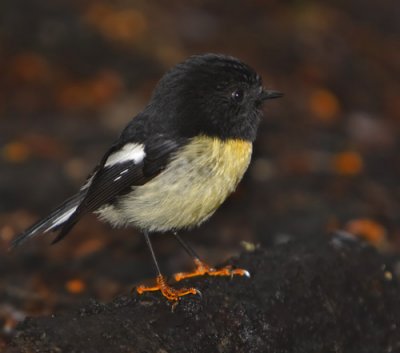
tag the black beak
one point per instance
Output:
(269, 95)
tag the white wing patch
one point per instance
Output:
(130, 152)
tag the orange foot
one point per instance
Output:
(203, 269)
(168, 292)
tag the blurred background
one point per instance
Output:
(73, 73)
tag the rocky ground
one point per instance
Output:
(335, 295)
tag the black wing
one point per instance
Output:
(112, 181)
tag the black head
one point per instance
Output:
(213, 95)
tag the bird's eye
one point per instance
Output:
(237, 95)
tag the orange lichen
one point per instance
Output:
(44, 146)
(29, 67)
(7, 233)
(117, 24)
(348, 163)
(16, 152)
(89, 246)
(104, 87)
(324, 105)
(368, 229)
(75, 286)
(90, 93)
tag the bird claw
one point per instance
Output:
(203, 269)
(171, 293)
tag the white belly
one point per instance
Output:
(188, 191)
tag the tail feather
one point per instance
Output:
(52, 222)
(65, 229)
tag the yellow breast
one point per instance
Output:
(198, 179)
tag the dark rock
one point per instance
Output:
(314, 296)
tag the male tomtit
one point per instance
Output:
(176, 162)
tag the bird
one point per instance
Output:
(175, 162)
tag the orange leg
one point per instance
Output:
(167, 291)
(203, 269)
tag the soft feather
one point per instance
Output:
(117, 178)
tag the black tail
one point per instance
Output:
(52, 222)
